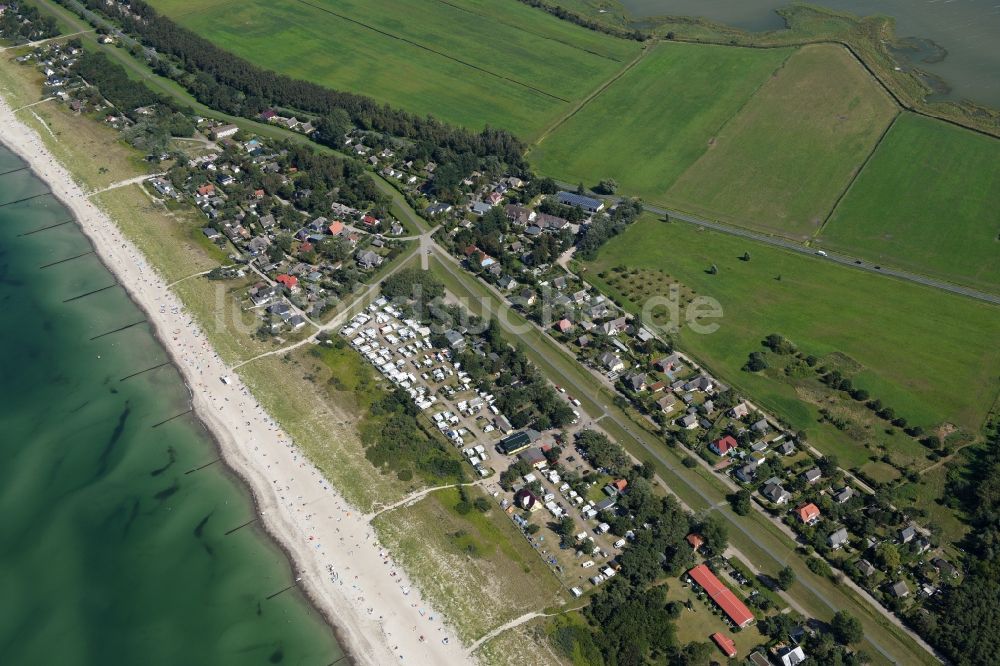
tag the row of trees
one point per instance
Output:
(228, 83)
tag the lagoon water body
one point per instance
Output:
(109, 552)
(968, 30)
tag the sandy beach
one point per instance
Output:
(379, 616)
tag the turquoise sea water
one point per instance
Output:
(110, 553)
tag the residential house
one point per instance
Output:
(506, 283)
(668, 363)
(438, 209)
(667, 403)
(837, 538)
(746, 473)
(564, 325)
(611, 362)
(844, 495)
(786, 448)
(224, 131)
(899, 589)
(866, 568)
(724, 446)
(740, 410)
(289, 281)
(368, 259)
(808, 513)
(812, 475)
(760, 426)
(688, 422)
(480, 208)
(906, 534)
(455, 340)
(637, 381)
(775, 493)
(944, 567)
(615, 326)
(790, 656)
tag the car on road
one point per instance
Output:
(821, 253)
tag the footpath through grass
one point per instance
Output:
(929, 355)
(782, 162)
(928, 202)
(475, 568)
(470, 62)
(656, 120)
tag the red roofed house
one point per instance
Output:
(808, 513)
(735, 610)
(370, 221)
(725, 644)
(258, 194)
(306, 248)
(724, 445)
(620, 484)
(337, 227)
(288, 280)
(206, 189)
(564, 325)
(695, 540)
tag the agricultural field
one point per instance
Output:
(927, 201)
(781, 163)
(470, 62)
(927, 354)
(655, 121)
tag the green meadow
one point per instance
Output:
(927, 201)
(781, 163)
(470, 62)
(651, 124)
(929, 355)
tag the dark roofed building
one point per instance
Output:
(588, 204)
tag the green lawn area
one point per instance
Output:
(780, 164)
(656, 120)
(927, 201)
(699, 624)
(470, 62)
(930, 355)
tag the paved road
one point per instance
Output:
(710, 497)
(792, 246)
(830, 256)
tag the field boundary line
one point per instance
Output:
(522, 29)
(725, 123)
(430, 50)
(589, 98)
(857, 174)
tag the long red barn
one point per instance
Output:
(724, 598)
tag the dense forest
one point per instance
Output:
(231, 84)
(110, 78)
(23, 23)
